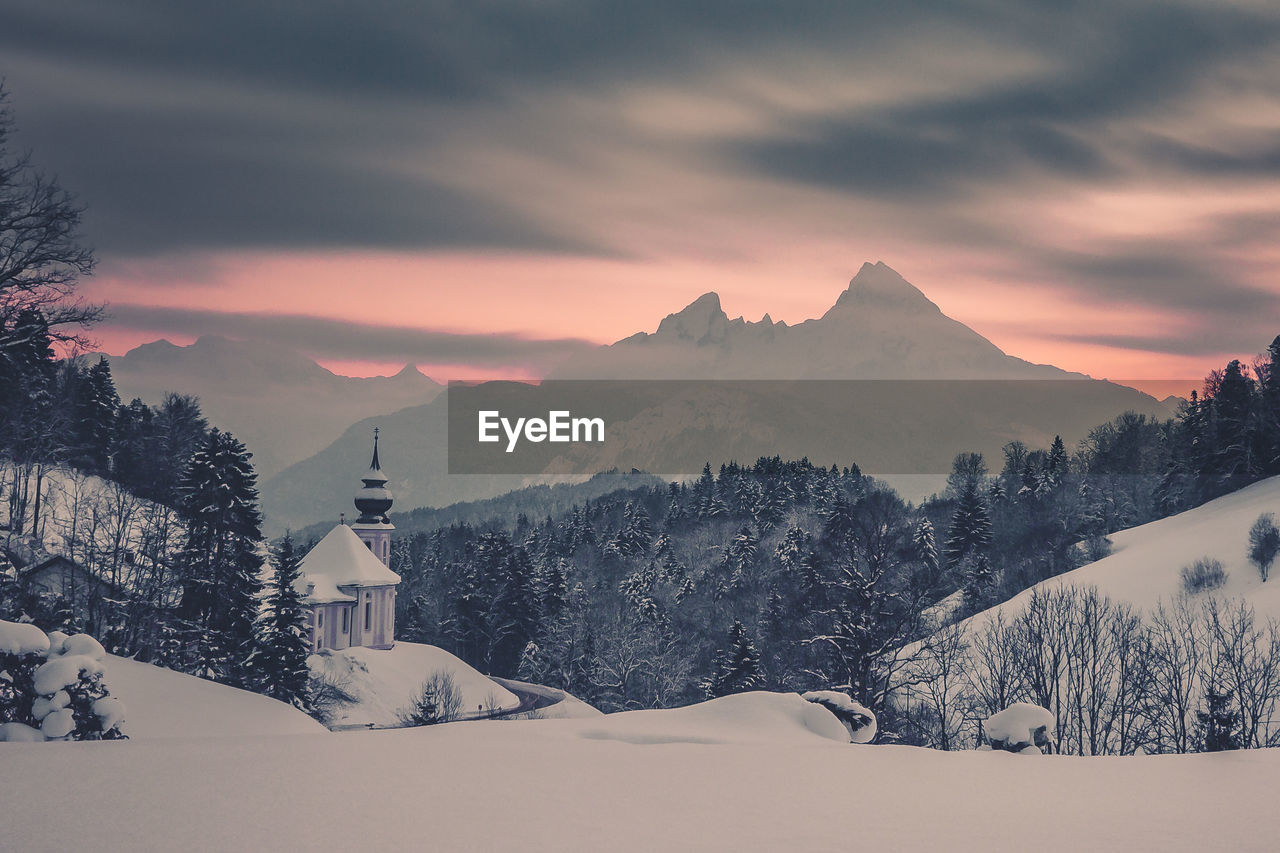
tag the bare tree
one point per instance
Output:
(1244, 658)
(939, 687)
(438, 701)
(996, 675)
(41, 256)
(1176, 646)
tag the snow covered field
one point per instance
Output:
(161, 703)
(385, 681)
(744, 773)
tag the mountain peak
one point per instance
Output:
(701, 321)
(879, 285)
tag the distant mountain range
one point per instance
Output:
(281, 404)
(881, 327)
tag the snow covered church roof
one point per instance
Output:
(341, 559)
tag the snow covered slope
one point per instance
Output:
(1146, 562)
(742, 773)
(161, 703)
(386, 681)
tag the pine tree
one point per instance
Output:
(922, 540)
(284, 642)
(1218, 727)
(970, 526)
(1056, 466)
(1269, 417)
(978, 580)
(1233, 463)
(553, 589)
(740, 556)
(219, 563)
(737, 667)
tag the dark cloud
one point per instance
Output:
(347, 341)
(1115, 62)
(1208, 342)
(1172, 274)
(240, 124)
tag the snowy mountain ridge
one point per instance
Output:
(880, 327)
(280, 403)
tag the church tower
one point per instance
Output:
(374, 502)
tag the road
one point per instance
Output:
(532, 697)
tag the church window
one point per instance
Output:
(368, 614)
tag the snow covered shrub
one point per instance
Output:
(22, 650)
(1264, 544)
(1022, 727)
(328, 694)
(438, 701)
(857, 718)
(1204, 575)
(51, 687)
(1097, 547)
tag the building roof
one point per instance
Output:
(319, 589)
(343, 560)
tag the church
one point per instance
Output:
(349, 586)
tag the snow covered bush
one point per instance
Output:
(857, 718)
(438, 701)
(1264, 544)
(22, 651)
(328, 694)
(1022, 728)
(1203, 575)
(51, 687)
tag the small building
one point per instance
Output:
(350, 588)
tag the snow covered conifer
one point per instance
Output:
(978, 580)
(922, 539)
(219, 562)
(737, 667)
(284, 643)
(740, 555)
(1056, 466)
(970, 525)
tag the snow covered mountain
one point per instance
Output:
(280, 403)
(881, 327)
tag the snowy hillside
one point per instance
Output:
(1145, 566)
(749, 772)
(386, 681)
(162, 703)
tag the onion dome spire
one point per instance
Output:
(374, 500)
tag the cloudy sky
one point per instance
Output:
(480, 186)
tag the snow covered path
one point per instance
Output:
(750, 774)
